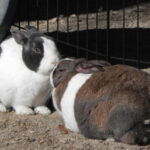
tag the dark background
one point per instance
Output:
(129, 46)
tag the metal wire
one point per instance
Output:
(47, 14)
(57, 14)
(87, 26)
(28, 12)
(96, 34)
(67, 10)
(77, 33)
(123, 34)
(37, 13)
(107, 30)
(137, 37)
(19, 5)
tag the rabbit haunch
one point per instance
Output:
(112, 104)
(26, 61)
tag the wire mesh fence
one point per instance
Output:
(117, 31)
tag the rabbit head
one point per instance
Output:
(80, 65)
(39, 51)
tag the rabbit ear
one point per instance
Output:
(20, 37)
(31, 29)
(91, 66)
(88, 68)
(101, 63)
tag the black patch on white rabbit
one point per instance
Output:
(27, 59)
(33, 52)
(108, 104)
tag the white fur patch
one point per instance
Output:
(68, 100)
(50, 58)
(42, 110)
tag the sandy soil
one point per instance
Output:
(147, 70)
(38, 132)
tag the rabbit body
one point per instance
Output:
(112, 104)
(21, 87)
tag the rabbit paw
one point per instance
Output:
(23, 110)
(3, 108)
(110, 139)
(42, 110)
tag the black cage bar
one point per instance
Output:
(95, 29)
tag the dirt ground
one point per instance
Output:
(42, 132)
(38, 132)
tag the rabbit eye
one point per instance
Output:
(36, 50)
(61, 70)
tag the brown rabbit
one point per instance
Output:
(108, 103)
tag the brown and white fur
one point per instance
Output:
(112, 103)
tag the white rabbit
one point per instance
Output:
(109, 102)
(26, 60)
